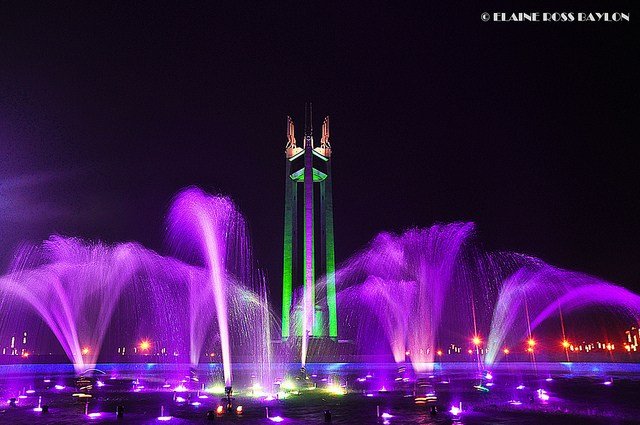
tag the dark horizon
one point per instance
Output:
(526, 129)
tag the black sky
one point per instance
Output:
(530, 130)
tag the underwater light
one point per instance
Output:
(180, 399)
(276, 419)
(30, 391)
(336, 390)
(22, 396)
(180, 389)
(520, 387)
(542, 394)
(456, 410)
(288, 385)
(216, 389)
(164, 418)
(514, 402)
(94, 415)
(166, 386)
(386, 415)
(203, 396)
(196, 403)
(59, 387)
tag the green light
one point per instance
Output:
(290, 202)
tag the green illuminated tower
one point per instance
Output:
(308, 234)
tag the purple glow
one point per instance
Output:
(542, 395)
(276, 419)
(455, 410)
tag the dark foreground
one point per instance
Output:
(353, 394)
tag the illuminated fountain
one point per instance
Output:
(210, 232)
(74, 287)
(405, 287)
(84, 290)
(406, 294)
(537, 292)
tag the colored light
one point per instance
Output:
(336, 390)
(219, 410)
(196, 403)
(542, 395)
(85, 351)
(145, 345)
(531, 342)
(476, 340)
(164, 418)
(386, 415)
(180, 399)
(59, 387)
(239, 410)
(94, 415)
(439, 352)
(455, 410)
(288, 385)
(30, 391)
(181, 389)
(276, 419)
(566, 343)
(506, 351)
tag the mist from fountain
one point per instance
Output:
(74, 287)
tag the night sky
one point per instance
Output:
(528, 129)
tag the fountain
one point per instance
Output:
(401, 299)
